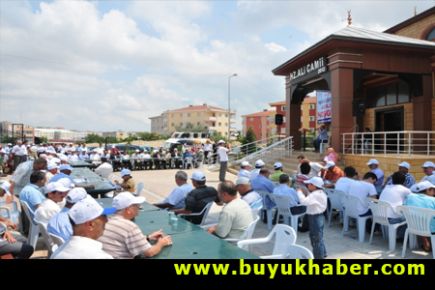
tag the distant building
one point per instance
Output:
(58, 135)
(208, 118)
(308, 114)
(116, 134)
(261, 123)
(19, 131)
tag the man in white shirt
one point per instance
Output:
(395, 195)
(222, 152)
(343, 183)
(259, 164)
(105, 168)
(88, 219)
(55, 193)
(363, 189)
(176, 198)
(235, 216)
(428, 168)
(245, 170)
(316, 202)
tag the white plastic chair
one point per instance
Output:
(50, 245)
(204, 212)
(298, 252)
(56, 239)
(140, 186)
(32, 238)
(336, 198)
(419, 223)
(188, 161)
(350, 211)
(248, 232)
(283, 235)
(269, 211)
(282, 204)
(380, 216)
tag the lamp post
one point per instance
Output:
(229, 105)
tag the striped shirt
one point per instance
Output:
(123, 239)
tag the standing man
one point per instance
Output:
(222, 152)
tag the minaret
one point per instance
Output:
(349, 17)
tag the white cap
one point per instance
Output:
(428, 164)
(76, 194)
(5, 186)
(316, 181)
(221, 142)
(51, 165)
(277, 165)
(242, 180)
(198, 176)
(88, 209)
(66, 182)
(55, 186)
(404, 164)
(65, 167)
(418, 187)
(125, 172)
(125, 199)
(245, 163)
(259, 163)
(330, 164)
(373, 161)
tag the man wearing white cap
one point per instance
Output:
(59, 224)
(404, 168)
(52, 170)
(424, 198)
(176, 198)
(245, 169)
(88, 219)
(428, 168)
(222, 152)
(198, 198)
(5, 194)
(128, 183)
(243, 186)
(278, 171)
(104, 169)
(65, 172)
(55, 193)
(373, 164)
(259, 164)
(333, 173)
(316, 203)
(122, 238)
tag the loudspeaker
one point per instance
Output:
(279, 119)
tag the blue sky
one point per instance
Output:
(108, 65)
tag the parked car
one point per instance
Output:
(125, 147)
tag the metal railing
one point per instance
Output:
(273, 152)
(395, 142)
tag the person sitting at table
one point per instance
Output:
(423, 196)
(104, 169)
(332, 174)
(59, 224)
(32, 193)
(65, 171)
(122, 238)
(243, 186)
(235, 216)
(278, 172)
(363, 189)
(198, 198)
(128, 182)
(88, 219)
(55, 193)
(409, 178)
(429, 172)
(176, 198)
(284, 189)
(343, 183)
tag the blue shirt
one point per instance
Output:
(262, 183)
(59, 176)
(60, 225)
(424, 201)
(284, 189)
(409, 180)
(32, 195)
(178, 195)
(380, 175)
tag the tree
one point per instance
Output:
(249, 138)
(216, 136)
(94, 138)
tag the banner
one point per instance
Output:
(324, 106)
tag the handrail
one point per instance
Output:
(389, 142)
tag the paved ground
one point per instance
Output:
(159, 183)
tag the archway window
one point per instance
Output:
(431, 35)
(392, 94)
